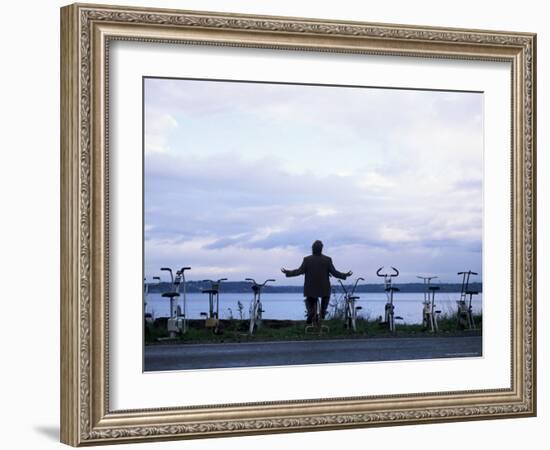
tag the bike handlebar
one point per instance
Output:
(258, 284)
(167, 269)
(469, 271)
(354, 286)
(384, 275)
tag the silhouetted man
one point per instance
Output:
(316, 268)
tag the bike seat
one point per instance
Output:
(170, 294)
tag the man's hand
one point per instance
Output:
(349, 273)
(285, 271)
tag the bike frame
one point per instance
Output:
(336, 301)
(465, 303)
(256, 306)
(429, 299)
(181, 274)
(214, 296)
(350, 310)
(146, 293)
(174, 288)
(317, 320)
(435, 326)
(389, 308)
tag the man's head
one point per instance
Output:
(317, 247)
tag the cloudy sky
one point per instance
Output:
(241, 178)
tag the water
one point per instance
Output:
(290, 306)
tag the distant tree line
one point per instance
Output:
(244, 287)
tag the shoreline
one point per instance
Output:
(236, 331)
(243, 287)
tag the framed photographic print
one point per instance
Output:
(276, 224)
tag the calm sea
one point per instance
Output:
(290, 306)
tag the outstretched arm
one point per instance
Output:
(294, 273)
(332, 270)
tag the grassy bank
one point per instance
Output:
(277, 330)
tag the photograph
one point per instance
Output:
(294, 224)
(287, 223)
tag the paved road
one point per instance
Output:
(203, 356)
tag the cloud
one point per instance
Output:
(375, 180)
(158, 127)
(249, 175)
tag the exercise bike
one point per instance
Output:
(177, 322)
(350, 310)
(465, 317)
(212, 317)
(389, 308)
(429, 313)
(256, 308)
(316, 324)
(148, 316)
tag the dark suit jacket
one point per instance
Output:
(316, 269)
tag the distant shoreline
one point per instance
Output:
(242, 287)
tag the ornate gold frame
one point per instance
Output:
(86, 31)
